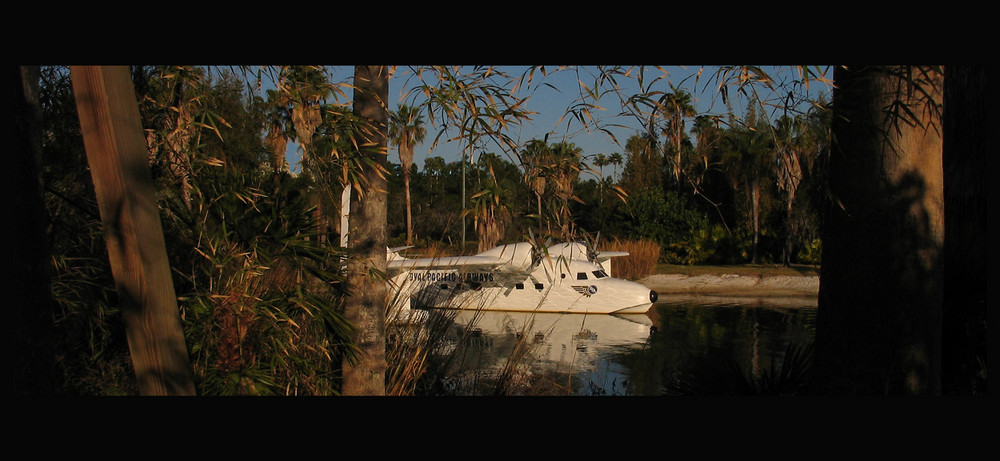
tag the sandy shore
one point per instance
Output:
(732, 284)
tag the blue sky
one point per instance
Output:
(550, 105)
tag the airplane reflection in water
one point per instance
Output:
(559, 334)
(582, 345)
(563, 278)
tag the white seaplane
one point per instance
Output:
(565, 278)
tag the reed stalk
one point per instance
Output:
(640, 262)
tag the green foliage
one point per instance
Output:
(711, 245)
(664, 217)
(260, 292)
(259, 285)
(258, 288)
(812, 253)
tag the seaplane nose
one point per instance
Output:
(652, 296)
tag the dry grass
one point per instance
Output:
(641, 259)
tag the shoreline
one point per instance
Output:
(733, 285)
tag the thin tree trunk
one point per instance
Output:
(409, 216)
(118, 158)
(880, 299)
(787, 258)
(755, 212)
(365, 308)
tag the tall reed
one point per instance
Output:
(640, 262)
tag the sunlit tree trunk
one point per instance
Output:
(880, 299)
(365, 308)
(118, 158)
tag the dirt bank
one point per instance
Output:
(734, 284)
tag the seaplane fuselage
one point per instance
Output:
(513, 278)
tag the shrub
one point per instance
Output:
(811, 253)
(707, 246)
(663, 217)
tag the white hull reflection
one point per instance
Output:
(570, 344)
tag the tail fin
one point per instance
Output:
(393, 253)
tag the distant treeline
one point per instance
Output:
(748, 192)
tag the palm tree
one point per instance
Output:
(645, 165)
(490, 215)
(881, 301)
(278, 118)
(709, 137)
(365, 307)
(789, 146)
(615, 160)
(748, 164)
(677, 106)
(601, 161)
(305, 89)
(535, 159)
(406, 129)
(117, 155)
(565, 172)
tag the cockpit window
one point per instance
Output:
(600, 274)
(581, 276)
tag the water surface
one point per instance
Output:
(684, 345)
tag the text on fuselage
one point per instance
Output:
(470, 277)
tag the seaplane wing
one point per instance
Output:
(606, 255)
(506, 258)
(469, 263)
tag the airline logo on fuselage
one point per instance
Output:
(469, 277)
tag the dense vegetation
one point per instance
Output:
(253, 250)
(253, 246)
(746, 193)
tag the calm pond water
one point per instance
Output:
(708, 345)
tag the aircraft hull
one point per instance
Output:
(607, 296)
(509, 278)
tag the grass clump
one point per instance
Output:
(640, 262)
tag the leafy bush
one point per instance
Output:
(811, 253)
(712, 245)
(663, 217)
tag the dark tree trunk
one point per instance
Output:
(34, 370)
(881, 293)
(367, 239)
(964, 340)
